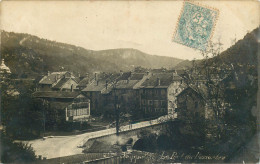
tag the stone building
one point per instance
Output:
(126, 90)
(191, 105)
(158, 94)
(58, 81)
(99, 92)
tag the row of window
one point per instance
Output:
(154, 102)
(155, 91)
(78, 112)
(154, 110)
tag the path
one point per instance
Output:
(59, 146)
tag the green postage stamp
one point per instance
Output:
(195, 26)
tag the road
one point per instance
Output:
(59, 146)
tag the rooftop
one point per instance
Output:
(62, 82)
(165, 80)
(55, 94)
(52, 78)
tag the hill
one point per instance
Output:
(242, 52)
(30, 55)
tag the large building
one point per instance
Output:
(99, 92)
(126, 90)
(158, 94)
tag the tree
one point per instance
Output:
(209, 73)
(15, 152)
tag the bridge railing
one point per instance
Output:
(129, 127)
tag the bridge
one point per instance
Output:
(59, 146)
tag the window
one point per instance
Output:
(156, 103)
(162, 92)
(163, 103)
(150, 102)
(196, 104)
(143, 102)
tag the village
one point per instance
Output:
(134, 95)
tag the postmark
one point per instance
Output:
(195, 26)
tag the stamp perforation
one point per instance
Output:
(200, 5)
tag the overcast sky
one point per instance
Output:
(144, 25)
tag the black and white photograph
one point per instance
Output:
(129, 82)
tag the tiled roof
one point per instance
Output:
(201, 90)
(125, 76)
(55, 94)
(165, 80)
(50, 79)
(126, 84)
(61, 82)
(136, 76)
(100, 85)
(84, 82)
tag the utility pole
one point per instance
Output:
(117, 109)
(45, 104)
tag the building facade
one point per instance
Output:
(158, 94)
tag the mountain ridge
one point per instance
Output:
(23, 51)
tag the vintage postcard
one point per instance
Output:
(129, 82)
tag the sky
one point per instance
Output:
(144, 25)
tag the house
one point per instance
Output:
(194, 103)
(158, 94)
(58, 81)
(99, 92)
(64, 106)
(84, 81)
(126, 90)
(79, 109)
(191, 104)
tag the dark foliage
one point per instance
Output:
(15, 152)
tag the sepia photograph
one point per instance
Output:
(129, 82)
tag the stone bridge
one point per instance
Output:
(128, 131)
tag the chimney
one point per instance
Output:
(96, 77)
(147, 72)
(71, 88)
(106, 84)
(48, 73)
(97, 82)
(56, 78)
(158, 81)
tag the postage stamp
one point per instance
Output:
(196, 25)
